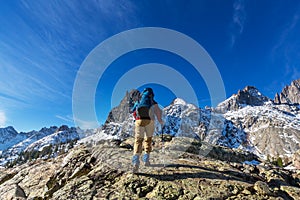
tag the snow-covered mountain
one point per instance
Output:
(271, 129)
(247, 120)
(26, 140)
(63, 134)
(9, 137)
(249, 96)
(15, 143)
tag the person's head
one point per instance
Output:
(147, 91)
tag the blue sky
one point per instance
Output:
(44, 43)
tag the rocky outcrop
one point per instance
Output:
(120, 113)
(120, 121)
(248, 96)
(277, 99)
(296, 160)
(272, 130)
(178, 172)
(290, 94)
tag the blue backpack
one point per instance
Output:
(143, 107)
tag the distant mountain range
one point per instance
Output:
(248, 120)
(271, 128)
(13, 144)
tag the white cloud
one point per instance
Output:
(39, 68)
(2, 119)
(67, 118)
(290, 28)
(239, 15)
(238, 20)
(42, 64)
(83, 124)
(291, 72)
(123, 12)
(286, 50)
(296, 73)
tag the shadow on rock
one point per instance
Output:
(194, 171)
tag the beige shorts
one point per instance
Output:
(144, 127)
(144, 130)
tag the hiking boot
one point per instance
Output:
(135, 163)
(146, 158)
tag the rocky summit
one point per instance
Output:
(179, 170)
(248, 96)
(290, 94)
(120, 113)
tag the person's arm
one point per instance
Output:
(134, 107)
(158, 113)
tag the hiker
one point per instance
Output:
(146, 110)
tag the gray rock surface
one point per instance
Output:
(103, 172)
(290, 94)
(248, 96)
(120, 113)
(296, 159)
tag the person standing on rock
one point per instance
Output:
(145, 111)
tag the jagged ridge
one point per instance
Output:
(290, 94)
(37, 140)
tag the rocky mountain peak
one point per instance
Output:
(250, 95)
(8, 135)
(253, 91)
(45, 129)
(178, 101)
(63, 128)
(290, 94)
(120, 113)
(8, 129)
